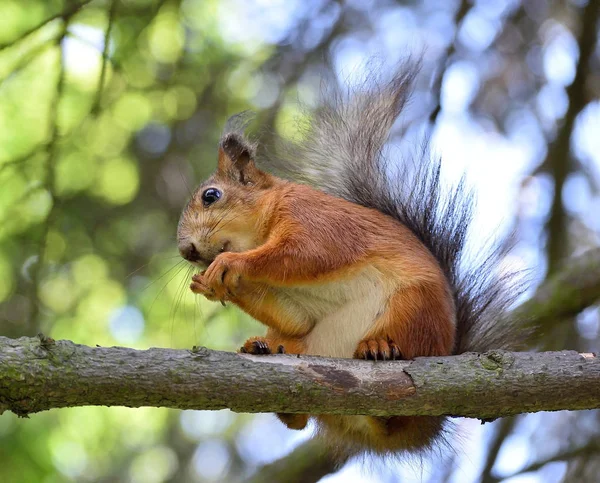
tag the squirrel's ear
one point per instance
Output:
(236, 160)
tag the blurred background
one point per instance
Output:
(110, 112)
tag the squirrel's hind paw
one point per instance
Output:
(378, 350)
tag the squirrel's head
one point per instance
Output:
(225, 212)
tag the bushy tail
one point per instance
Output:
(342, 152)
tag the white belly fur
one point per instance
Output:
(343, 311)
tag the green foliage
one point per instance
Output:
(93, 179)
(110, 113)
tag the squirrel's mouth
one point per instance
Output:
(203, 262)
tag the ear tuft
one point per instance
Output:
(236, 154)
(237, 149)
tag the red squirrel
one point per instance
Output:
(339, 257)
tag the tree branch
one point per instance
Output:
(504, 428)
(591, 448)
(38, 374)
(575, 287)
(559, 151)
(49, 175)
(105, 57)
(436, 87)
(308, 462)
(67, 13)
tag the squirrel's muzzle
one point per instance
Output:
(190, 252)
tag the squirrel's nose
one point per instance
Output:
(190, 253)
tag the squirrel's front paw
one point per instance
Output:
(260, 346)
(223, 275)
(199, 286)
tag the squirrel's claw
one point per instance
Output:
(260, 346)
(378, 350)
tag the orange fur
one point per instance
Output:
(295, 257)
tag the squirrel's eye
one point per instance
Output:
(210, 196)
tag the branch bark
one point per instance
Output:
(39, 373)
